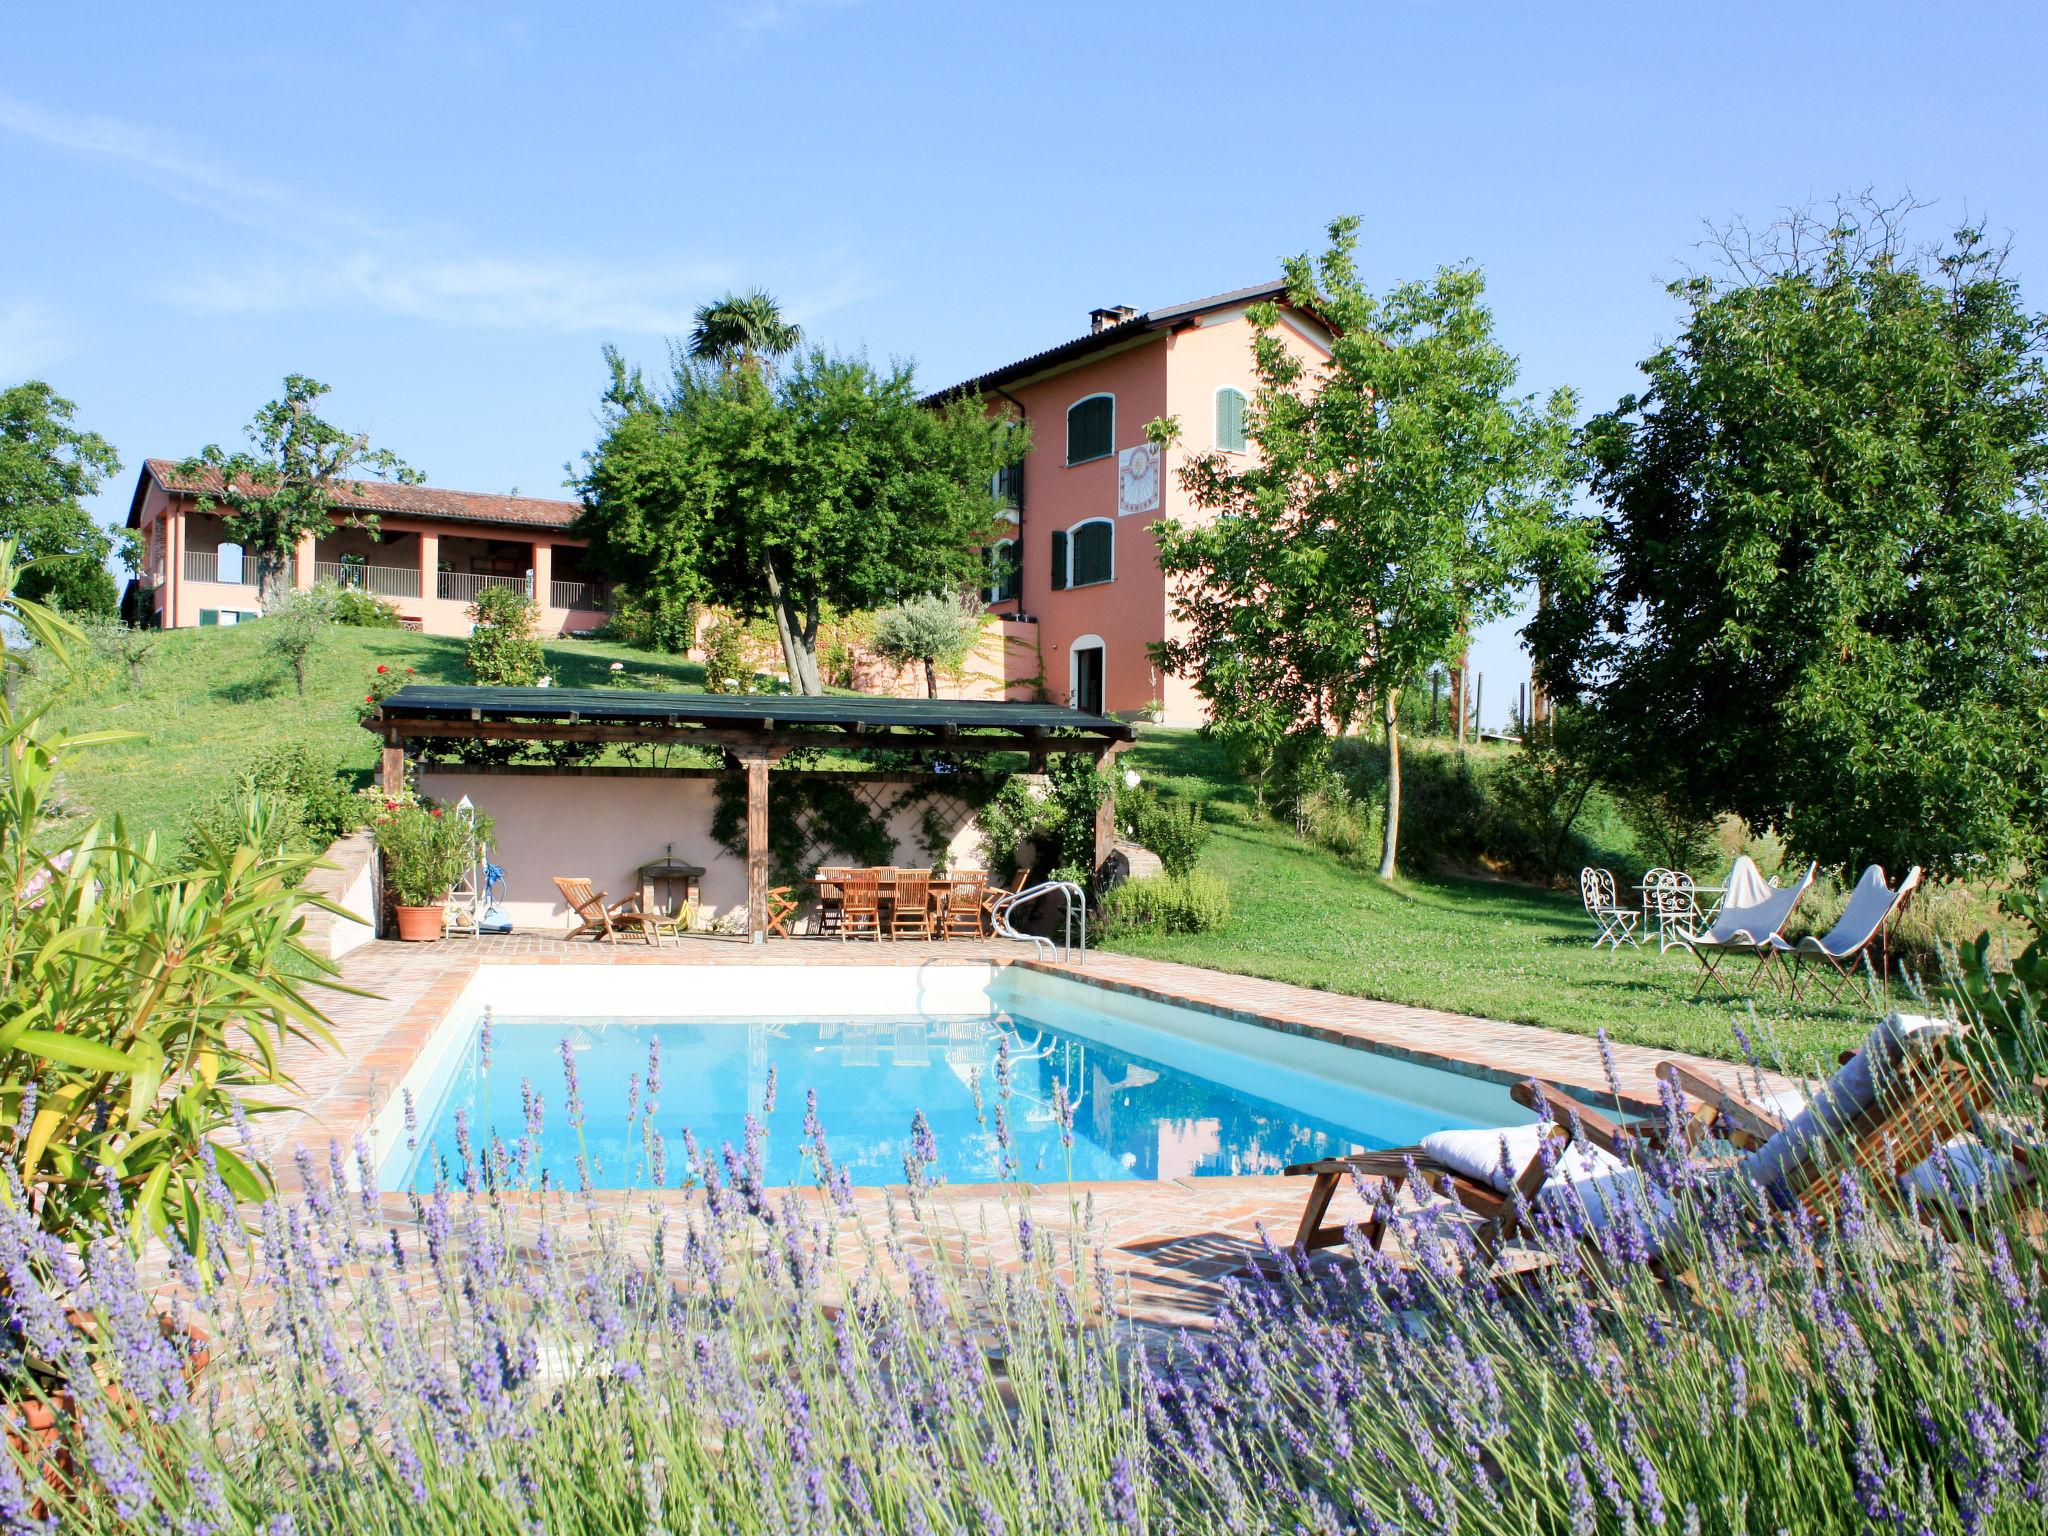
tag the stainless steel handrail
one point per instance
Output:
(1074, 897)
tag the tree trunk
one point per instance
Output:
(299, 674)
(931, 679)
(1391, 842)
(797, 658)
(273, 579)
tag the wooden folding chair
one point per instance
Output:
(996, 895)
(782, 906)
(912, 911)
(860, 904)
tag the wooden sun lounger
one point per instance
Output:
(596, 918)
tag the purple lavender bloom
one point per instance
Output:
(768, 1094)
(574, 1095)
(412, 1120)
(483, 1041)
(1123, 1494)
(27, 1118)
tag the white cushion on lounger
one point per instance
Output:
(1847, 1094)
(1969, 1173)
(1477, 1155)
(1606, 1197)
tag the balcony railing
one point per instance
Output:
(584, 595)
(377, 580)
(462, 587)
(204, 565)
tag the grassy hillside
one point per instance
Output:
(211, 699)
(1498, 950)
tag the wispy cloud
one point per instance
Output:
(32, 337)
(321, 256)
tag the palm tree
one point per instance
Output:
(741, 329)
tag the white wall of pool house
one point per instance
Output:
(603, 825)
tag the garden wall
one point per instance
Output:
(603, 823)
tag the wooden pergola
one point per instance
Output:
(752, 731)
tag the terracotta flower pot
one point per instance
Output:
(418, 925)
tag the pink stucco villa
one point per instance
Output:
(1077, 583)
(433, 551)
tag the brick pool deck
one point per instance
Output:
(1171, 1241)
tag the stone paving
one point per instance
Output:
(1172, 1242)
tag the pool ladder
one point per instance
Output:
(1075, 898)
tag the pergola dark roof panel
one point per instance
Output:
(414, 709)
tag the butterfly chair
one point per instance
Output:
(1614, 922)
(1749, 930)
(1844, 948)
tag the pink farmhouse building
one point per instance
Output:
(433, 551)
(1077, 583)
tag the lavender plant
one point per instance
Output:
(1679, 1354)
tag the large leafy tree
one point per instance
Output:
(1822, 600)
(287, 486)
(1393, 498)
(48, 467)
(824, 483)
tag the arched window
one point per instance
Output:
(1091, 429)
(1005, 566)
(1230, 420)
(1085, 554)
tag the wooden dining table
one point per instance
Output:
(885, 886)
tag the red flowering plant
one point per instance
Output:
(384, 682)
(425, 849)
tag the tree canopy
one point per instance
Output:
(1822, 590)
(1392, 499)
(287, 487)
(931, 631)
(48, 467)
(822, 483)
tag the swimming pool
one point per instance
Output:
(1100, 1085)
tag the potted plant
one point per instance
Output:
(425, 851)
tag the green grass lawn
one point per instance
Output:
(1499, 950)
(211, 700)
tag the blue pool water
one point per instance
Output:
(1145, 1103)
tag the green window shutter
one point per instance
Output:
(1059, 560)
(208, 616)
(1091, 429)
(1093, 553)
(1013, 569)
(1230, 420)
(1010, 485)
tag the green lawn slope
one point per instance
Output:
(211, 699)
(1491, 948)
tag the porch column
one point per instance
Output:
(543, 574)
(302, 570)
(756, 761)
(430, 564)
(174, 563)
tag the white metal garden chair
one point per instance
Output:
(1671, 901)
(1613, 922)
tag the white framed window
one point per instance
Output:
(1005, 570)
(1084, 555)
(1091, 428)
(1230, 404)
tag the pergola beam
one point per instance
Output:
(417, 729)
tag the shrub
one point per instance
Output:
(1175, 832)
(385, 680)
(651, 623)
(504, 651)
(932, 631)
(727, 668)
(308, 804)
(1665, 832)
(1192, 903)
(1543, 785)
(359, 610)
(119, 647)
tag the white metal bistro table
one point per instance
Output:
(1693, 915)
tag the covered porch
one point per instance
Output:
(602, 821)
(432, 574)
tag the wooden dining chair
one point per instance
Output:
(831, 896)
(963, 917)
(912, 912)
(860, 904)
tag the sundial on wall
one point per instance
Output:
(1137, 480)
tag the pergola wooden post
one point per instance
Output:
(1105, 809)
(756, 763)
(391, 772)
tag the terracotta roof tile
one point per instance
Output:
(403, 500)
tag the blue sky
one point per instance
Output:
(444, 211)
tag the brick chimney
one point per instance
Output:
(1103, 319)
